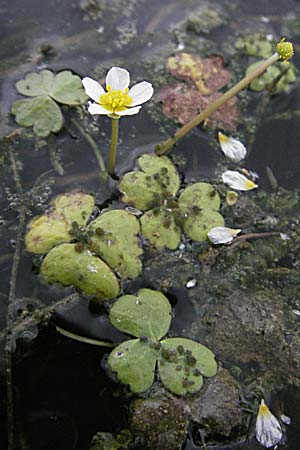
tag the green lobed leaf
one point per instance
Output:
(200, 195)
(265, 80)
(199, 204)
(182, 363)
(147, 314)
(159, 227)
(52, 228)
(116, 240)
(157, 180)
(65, 87)
(40, 112)
(198, 225)
(134, 362)
(36, 84)
(90, 274)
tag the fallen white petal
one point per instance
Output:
(118, 79)
(222, 235)
(129, 111)
(92, 88)
(284, 237)
(235, 180)
(140, 93)
(268, 429)
(191, 283)
(94, 108)
(232, 148)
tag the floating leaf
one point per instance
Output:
(36, 84)
(40, 112)
(159, 227)
(182, 364)
(286, 73)
(53, 227)
(147, 314)
(90, 274)
(134, 361)
(199, 195)
(198, 225)
(147, 188)
(65, 87)
(199, 204)
(116, 241)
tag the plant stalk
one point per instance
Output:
(113, 146)
(165, 146)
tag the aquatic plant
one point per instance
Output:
(182, 363)
(118, 101)
(153, 190)
(284, 51)
(82, 255)
(47, 90)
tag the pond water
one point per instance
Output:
(244, 303)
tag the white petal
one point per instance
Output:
(141, 93)
(94, 108)
(222, 235)
(268, 430)
(128, 111)
(118, 79)
(235, 180)
(285, 419)
(232, 148)
(92, 88)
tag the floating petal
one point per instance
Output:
(268, 430)
(235, 180)
(232, 148)
(222, 235)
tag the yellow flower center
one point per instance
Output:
(115, 101)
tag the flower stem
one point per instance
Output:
(165, 146)
(113, 145)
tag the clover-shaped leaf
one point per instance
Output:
(160, 228)
(65, 265)
(134, 361)
(115, 240)
(147, 314)
(65, 87)
(53, 227)
(182, 364)
(40, 112)
(157, 180)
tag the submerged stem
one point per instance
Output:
(165, 146)
(92, 143)
(113, 145)
(57, 166)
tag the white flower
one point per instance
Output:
(235, 180)
(232, 148)
(268, 429)
(118, 100)
(222, 235)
